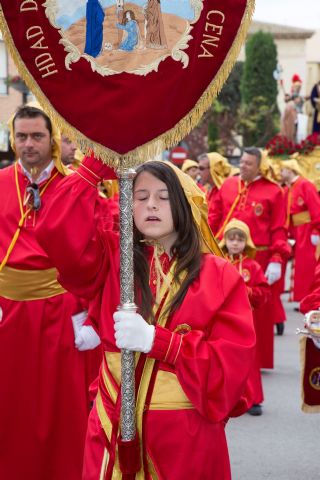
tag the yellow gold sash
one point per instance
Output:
(23, 285)
(301, 218)
(167, 292)
(167, 394)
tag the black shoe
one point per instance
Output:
(296, 309)
(280, 328)
(255, 410)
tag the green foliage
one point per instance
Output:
(261, 61)
(256, 122)
(230, 95)
(223, 113)
(213, 136)
(259, 114)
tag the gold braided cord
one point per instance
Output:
(164, 141)
(23, 215)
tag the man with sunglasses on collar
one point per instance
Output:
(43, 369)
(256, 199)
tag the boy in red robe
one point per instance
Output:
(240, 250)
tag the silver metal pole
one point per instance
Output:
(128, 424)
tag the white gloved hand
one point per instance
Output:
(273, 272)
(78, 320)
(132, 332)
(315, 239)
(87, 339)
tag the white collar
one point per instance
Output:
(44, 174)
(254, 180)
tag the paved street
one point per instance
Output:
(282, 444)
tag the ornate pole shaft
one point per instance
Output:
(128, 427)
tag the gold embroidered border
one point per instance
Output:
(304, 406)
(154, 147)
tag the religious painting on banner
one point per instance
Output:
(125, 78)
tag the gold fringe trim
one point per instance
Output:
(304, 406)
(164, 141)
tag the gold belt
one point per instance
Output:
(23, 285)
(167, 393)
(301, 218)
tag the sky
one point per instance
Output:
(296, 13)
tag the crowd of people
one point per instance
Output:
(294, 121)
(210, 248)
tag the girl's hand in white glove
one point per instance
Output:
(132, 332)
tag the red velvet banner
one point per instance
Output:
(121, 75)
(310, 376)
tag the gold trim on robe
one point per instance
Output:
(301, 218)
(23, 285)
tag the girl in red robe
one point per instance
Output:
(194, 330)
(240, 249)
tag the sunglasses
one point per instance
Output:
(33, 197)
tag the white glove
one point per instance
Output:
(87, 339)
(315, 239)
(132, 332)
(273, 272)
(77, 321)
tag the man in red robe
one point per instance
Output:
(303, 220)
(258, 202)
(44, 399)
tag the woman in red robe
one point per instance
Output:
(194, 328)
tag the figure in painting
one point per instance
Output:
(120, 14)
(94, 29)
(155, 36)
(130, 25)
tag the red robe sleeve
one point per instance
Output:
(258, 288)
(312, 300)
(279, 234)
(212, 367)
(312, 201)
(215, 213)
(71, 230)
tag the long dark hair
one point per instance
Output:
(186, 248)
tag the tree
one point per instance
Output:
(225, 113)
(259, 113)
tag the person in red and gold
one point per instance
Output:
(194, 328)
(44, 402)
(303, 221)
(214, 169)
(258, 202)
(191, 168)
(240, 251)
